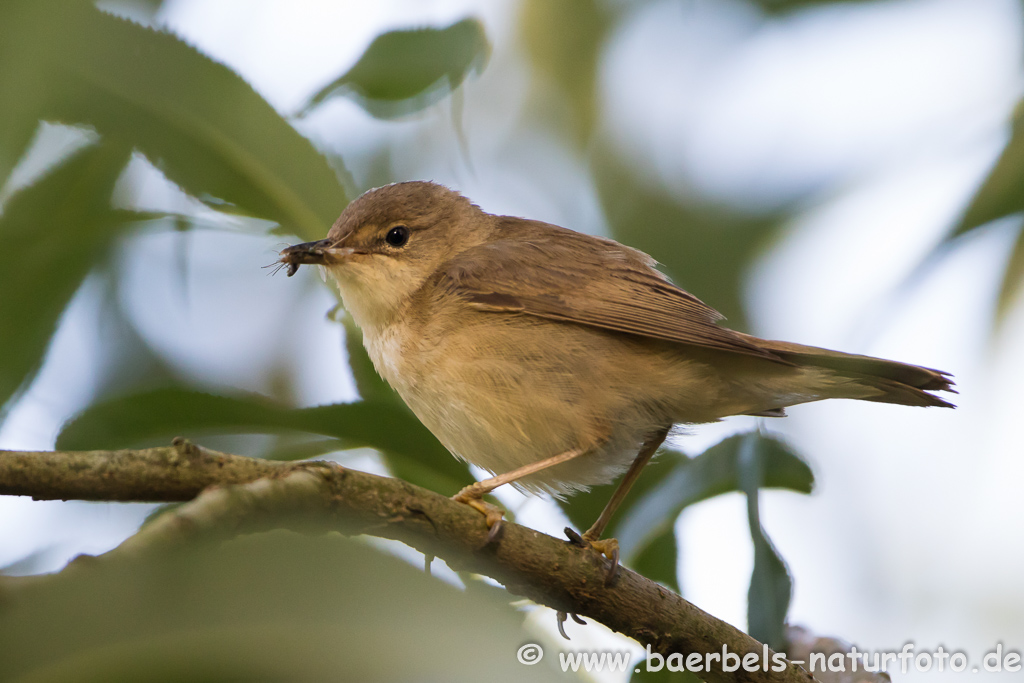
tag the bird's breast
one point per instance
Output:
(387, 347)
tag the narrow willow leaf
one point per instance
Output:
(771, 587)
(405, 71)
(1002, 193)
(663, 675)
(564, 41)
(203, 126)
(410, 449)
(15, 141)
(787, 6)
(26, 36)
(303, 449)
(1013, 279)
(659, 560)
(712, 473)
(53, 233)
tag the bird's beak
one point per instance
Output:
(322, 252)
(306, 253)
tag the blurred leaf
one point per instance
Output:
(410, 450)
(1013, 279)
(126, 362)
(264, 607)
(205, 127)
(770, 584)
(405, 71)
(26, 35)
(642, 675)
(659, 560)
(707, 250)
(289, 447)
(1002, 193)
(53, 233)
(18, 133)
(563, 41)
(33, 563)
(785, 6)
(159, 511)
(716, 471)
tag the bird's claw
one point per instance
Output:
(494, 514)
(562, 616)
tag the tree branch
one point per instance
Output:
(231, 494)
(154, 475)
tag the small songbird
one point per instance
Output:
(557, 360)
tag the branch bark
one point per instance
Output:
(231, 494)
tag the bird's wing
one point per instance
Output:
(557, 274)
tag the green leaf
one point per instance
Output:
(787, 6)
(17, 137)
(712, 473)
(264, 607)
(405, 71)
(205, 127)
(410, 450)
(53, 232)
(664, 675)
(1013, 279)
(289, 447)
(1002, 192)
(659, 560)
(670, 483)
(771, 587)
(28, 31)
(564, 41)
(1000, 195)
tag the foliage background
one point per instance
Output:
(846, 174)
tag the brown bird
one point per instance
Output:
(557, 360)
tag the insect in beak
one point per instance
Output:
(319, 253)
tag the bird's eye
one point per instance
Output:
(397, 236)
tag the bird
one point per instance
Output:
(557, 360)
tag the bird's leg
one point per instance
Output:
(473, 494)
(609, 547)
(647, 451)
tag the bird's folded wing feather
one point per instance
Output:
(586, 280)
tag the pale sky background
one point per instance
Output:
(891, 112)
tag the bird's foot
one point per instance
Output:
(607, 547)
(494, 514)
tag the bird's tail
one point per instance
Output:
(895, 382)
